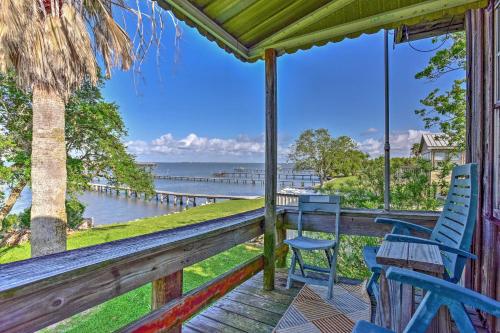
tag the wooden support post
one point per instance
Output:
(271, 170)
(165, 290)
(387, 144)
(280, 238)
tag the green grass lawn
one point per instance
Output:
(128, 307)
(340, 180)
(113, 232)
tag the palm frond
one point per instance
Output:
(55, 44)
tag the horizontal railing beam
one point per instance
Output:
(358, 222)
(38, 292)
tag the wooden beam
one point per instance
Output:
(305, 21)
(271, 169)
(177, 311)
(38, 292)
(358, 222)
(364, 24)
(280, 238)
(423, 30)
(200, 19)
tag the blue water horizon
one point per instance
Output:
(108, 209)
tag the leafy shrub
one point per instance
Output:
(411, 186)
(74, 214)
(24, 218)
(350, 261)
(9, 222)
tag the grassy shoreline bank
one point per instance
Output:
(128, 307)
(112, 232)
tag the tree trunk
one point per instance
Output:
(48, 174)
(12, 199)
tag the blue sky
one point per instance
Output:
(199, 103)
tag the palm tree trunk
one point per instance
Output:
(12, 199)
(48, 174)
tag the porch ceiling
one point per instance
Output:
(246, 28)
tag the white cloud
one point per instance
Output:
(250, 149)
(401, 142)
(194, 147)
(370, 131)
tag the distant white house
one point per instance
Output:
(435, 148)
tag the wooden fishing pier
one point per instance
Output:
(176, 198)
(250, 181)
(259, 175)
(289, 171)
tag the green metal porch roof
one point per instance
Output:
(246, 28)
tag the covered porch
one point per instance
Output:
(39, 292)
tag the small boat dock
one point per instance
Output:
(176, 198)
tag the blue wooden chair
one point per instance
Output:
(452, 233)
(308, 204)
(439, 293)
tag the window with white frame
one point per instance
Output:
(439, 156)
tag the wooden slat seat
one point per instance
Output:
(306, 243)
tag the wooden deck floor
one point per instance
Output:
(247, 308)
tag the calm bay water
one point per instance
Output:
(107, 209)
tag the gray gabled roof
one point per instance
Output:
(435, 141)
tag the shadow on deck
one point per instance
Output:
(248, 308)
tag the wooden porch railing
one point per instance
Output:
(284, 199)
(38, 292)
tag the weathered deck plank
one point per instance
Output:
(248, 308)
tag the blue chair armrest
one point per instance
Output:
(445, 289)
(399, 227)
(442, 247)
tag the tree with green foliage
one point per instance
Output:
(329, 157)
(446, 110)
(415, 149)
(94, 143)
(55, 47)
(411, 187)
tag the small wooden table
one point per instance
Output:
(396, 303)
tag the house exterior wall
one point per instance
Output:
(482, 137)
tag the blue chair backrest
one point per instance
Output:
(456, 224)
(320, 203)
